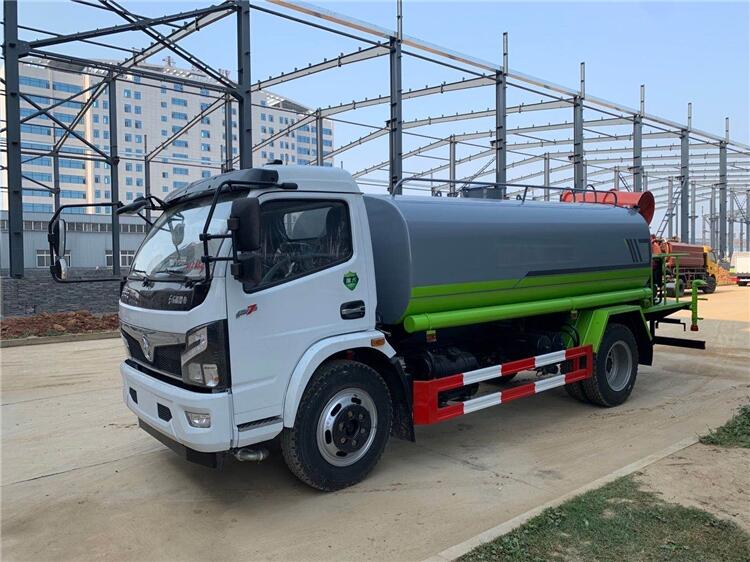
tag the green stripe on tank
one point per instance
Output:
(456, 296)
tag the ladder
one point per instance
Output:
(668, 216)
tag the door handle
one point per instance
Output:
(352, 310)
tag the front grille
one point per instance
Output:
(166, 357)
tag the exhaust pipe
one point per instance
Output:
(254, 455)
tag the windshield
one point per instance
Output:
(172, 248)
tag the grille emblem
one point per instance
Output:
(147, 349)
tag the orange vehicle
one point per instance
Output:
(689, 262)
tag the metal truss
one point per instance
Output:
(601, 143)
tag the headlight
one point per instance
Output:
(205, 361)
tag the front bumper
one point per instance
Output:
(162, 408)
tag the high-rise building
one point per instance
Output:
(149, 113)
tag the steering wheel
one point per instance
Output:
(295, 254)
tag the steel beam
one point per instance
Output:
(396, 119)
(139, 25)
(243, 94)
(114, 172)
(637, 151)
(13, 148)
(684, 186)
(723, 199)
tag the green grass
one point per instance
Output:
(619, 522)
(734, 433)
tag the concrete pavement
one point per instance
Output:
(81, 481)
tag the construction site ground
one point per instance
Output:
(80, 480)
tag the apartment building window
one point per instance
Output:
(34, 82)
(179, 115)
(128, 166)
(203, 92)
(205, 120)
(205, 147)
(71, 194)
(128, 137)
(95, 118)
(164, 175)
(136, 94)
(138, 109)
(127, 93)
(164, 133)
(179, 184)
(128, 122)
(138, 139)
(36, 129)
(262, 116)
(65, 87)
(128, 181)
(179, 143)
(206, 173)
(204, 106)
(129, 196)
(205, 134)
(139, 124)
(127, 108)
(180, 171)
(178, 87)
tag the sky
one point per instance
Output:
(683, 52)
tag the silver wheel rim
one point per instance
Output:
(347, 427)
(617, 365)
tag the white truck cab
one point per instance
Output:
(217, 362)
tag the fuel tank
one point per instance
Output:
(439, 254)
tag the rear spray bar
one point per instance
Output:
(426, 399)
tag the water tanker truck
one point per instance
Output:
(685, 263)
(283, 304)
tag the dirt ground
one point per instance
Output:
(55, 324)
(81, 481)
(715, 479)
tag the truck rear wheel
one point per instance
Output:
(710, 285)
(615, 368)
(342, 425)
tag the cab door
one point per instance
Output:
(315, 284)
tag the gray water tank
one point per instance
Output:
(437, 254)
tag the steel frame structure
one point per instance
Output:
(702, 165)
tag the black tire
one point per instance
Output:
(742, 283)
(575, 390)
(710, 285)
(303, 454)
(618, 353)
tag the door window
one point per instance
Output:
(302, 236)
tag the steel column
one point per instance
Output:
(228, 145)
(712, 218)
(114, 172)
(723, 199)
(693, 216)
(501, 141)
(578, 179)
(684, 186)
(730, 236)
(670, 208)
(319, 139)
(747, 220)
(244, 97)
(452, 167)
(395, 124)
(637, 151)
(13, 133)
(56, 178)
(546, 176)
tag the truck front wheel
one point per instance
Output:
(341, 428)
(615, 368)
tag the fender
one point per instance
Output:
(315, 355)
(591, 324)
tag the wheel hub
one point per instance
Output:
(346, 427)
(351, 428)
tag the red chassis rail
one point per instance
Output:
(426, 393)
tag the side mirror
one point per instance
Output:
(178, 233)
(58, 237)
(60, 269)
(248, 268)
(244, 222)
